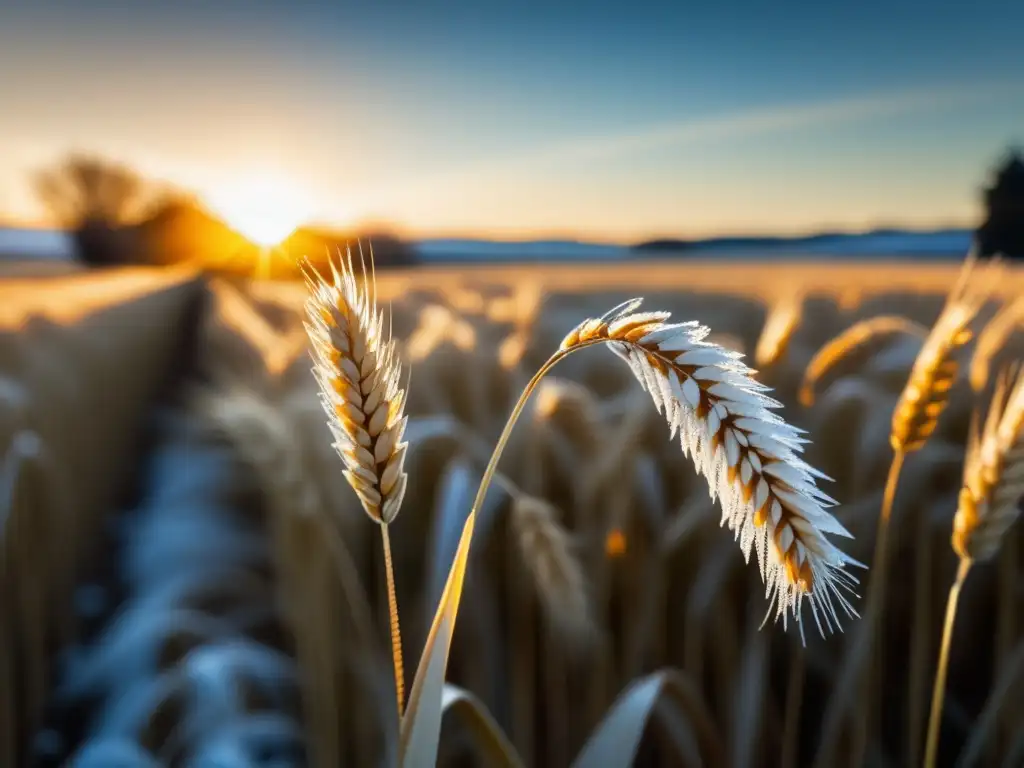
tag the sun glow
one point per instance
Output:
(264, 208)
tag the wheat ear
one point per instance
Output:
(782, 321)
(547, 551)
(855, 336)
(993, 475)
(357, 367)
(990, 502)
(748, 454)
(926, 394)
(992, 339)
(921, 403)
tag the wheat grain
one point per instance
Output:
(358, 370)
(855, 336)
(748, 454)
(993, 475)
(546, 550)
(926, 393)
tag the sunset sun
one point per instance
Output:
(264, 208)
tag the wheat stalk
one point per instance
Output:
(748, 454)
(989, 503)
(546, 549)
(358, 370)
(921, 403)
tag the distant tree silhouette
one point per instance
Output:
(1003, 229)
(94, 198)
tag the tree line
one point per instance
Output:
(116, 216)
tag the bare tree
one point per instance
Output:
(94, 197)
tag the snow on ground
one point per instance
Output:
(952, 243)
(471, 250)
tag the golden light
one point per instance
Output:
(264, 208)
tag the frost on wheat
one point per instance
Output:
(747, 453)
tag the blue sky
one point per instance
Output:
(604, 120)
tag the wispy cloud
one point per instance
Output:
(707, 130)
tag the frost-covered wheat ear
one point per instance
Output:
(993, 489)
(747, 453)
(358, 370)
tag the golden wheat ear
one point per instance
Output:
(358, 369)
(993, 487)
(989, 504)
(356, 364)
(926, 394)
(748, 454)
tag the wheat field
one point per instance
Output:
(597, 559)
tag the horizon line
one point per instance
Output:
(395, 229)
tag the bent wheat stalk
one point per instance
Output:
(358, 370)
(989, 504)
(748, 454)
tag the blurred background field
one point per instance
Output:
(188, 580)
(143, 548)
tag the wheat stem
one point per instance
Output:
(492, 464)
(875, 603)
(939, 692)
(396, 632)
(531, 385)
(890, 493)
